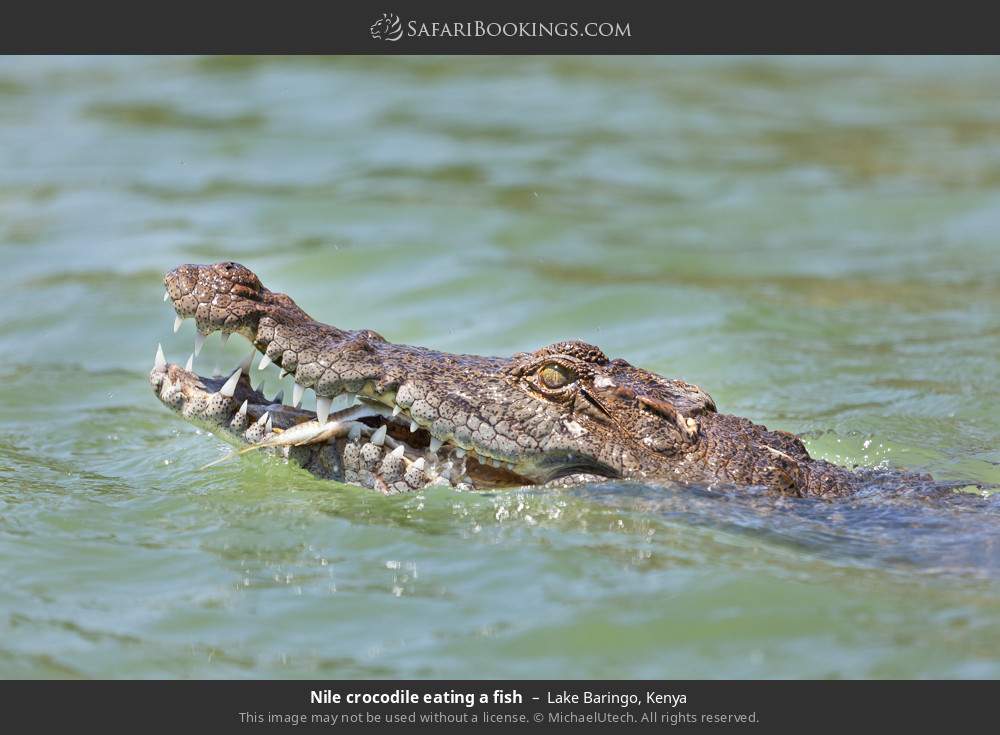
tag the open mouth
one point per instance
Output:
(364, 429)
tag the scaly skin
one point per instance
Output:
(563, 413)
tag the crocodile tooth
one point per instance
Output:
(397, 452)
(229, 387)
(239, 421)
(259, 385)
(279, 396)
(246, 362)
(166, 295)
(159, 361)
(264, 417)
(395, 410)
(225, 337)
(355, 432)
(199, 341)
(297, 392)
(435, 444)
(419, 464)
(189, 365)
(217, 371)
(283, 373)
(264, 362)
(413, 426)
(268, 426)
(322, 409)
(378, 438)
(177, 323)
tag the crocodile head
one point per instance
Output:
(565, 410)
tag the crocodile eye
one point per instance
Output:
(556, 376)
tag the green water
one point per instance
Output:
(813, 241)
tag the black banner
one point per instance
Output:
(451, 27)
(229, 706)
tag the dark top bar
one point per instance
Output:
(509, 27)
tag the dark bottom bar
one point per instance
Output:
(229, 706)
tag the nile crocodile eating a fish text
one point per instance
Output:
(396, 418)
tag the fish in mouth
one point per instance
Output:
(397, 418)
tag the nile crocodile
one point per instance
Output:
(396, 418)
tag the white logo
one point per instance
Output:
(387, 28)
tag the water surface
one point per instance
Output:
(813, 241)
